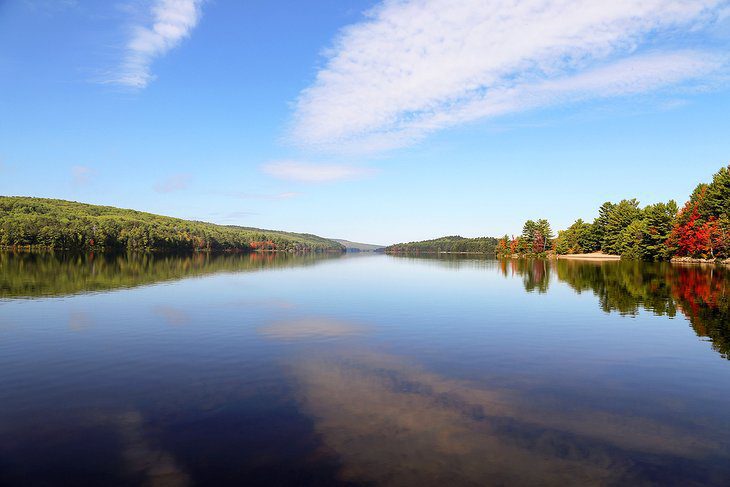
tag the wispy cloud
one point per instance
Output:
(310, 328)
(176, 182)
(315, 173)
(417, 66)
(168, 23)
(724, 14)
(81, 175)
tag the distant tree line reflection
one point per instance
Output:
(36, 274)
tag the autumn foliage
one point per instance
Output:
(702, 227)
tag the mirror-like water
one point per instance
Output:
(287, 370)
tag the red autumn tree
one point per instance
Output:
(514, 245)
(690, 236)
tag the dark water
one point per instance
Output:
(366, 370)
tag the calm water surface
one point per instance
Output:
(378, 370)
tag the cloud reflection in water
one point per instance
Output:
(392, 423)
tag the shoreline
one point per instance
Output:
(433, 252)
(597, 256)
(123, 250)
(692, 260)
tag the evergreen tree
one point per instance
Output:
(594, 239)
(658, 224)
(527, 238)
(545, 234)
(576, 239)
(716, 200)
(619, 217)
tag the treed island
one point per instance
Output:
(38, 223)
(700, 230)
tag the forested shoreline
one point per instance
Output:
(656, 232)
(450, 244)
(40, 223)
(700, 230)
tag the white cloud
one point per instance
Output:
(314, 173)
(415, 66)
(176, 182)
(629, 76)
(171, 22)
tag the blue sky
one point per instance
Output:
(370, 121)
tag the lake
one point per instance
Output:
(276, 369)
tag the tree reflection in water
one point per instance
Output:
(700, 293)
(276, 388)
(35, 274)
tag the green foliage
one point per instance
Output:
(576, 239)
(657, 224)
(528, 235)
(455, 243)
(594, 239)
(625, 230)
(656, 232)
(630, 240)
(543, 228)
(67, 225)
(618, 219)
(536, 239)
(716, 201)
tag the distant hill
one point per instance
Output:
(359, 247)
(454, 243)
(68, 225)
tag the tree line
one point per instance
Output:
(450, 244)
(700, 229)
(537, 239)
(67, 225)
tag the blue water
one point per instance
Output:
(371, 369)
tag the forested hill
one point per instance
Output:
(480, 245)
(67, 225)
